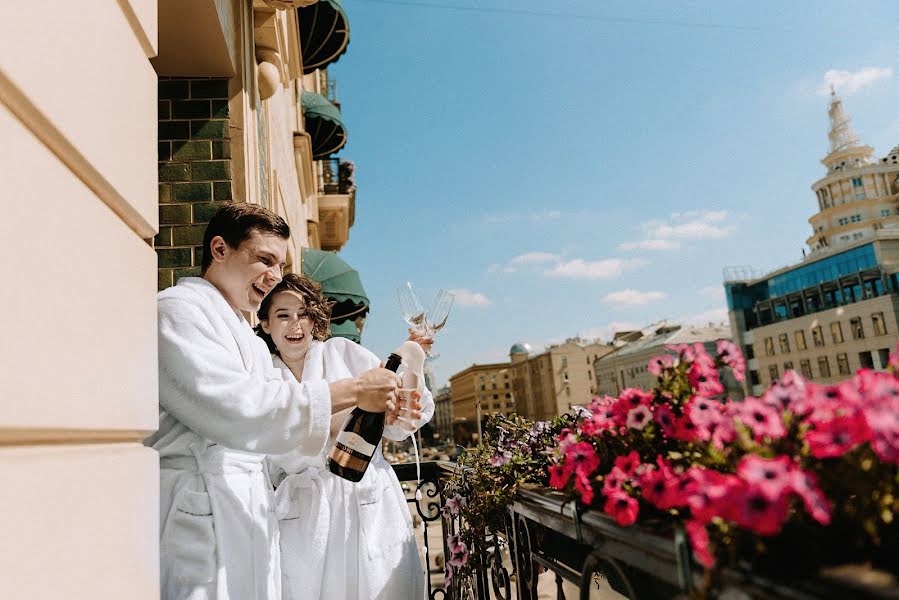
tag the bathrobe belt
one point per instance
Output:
(213, 462)
(288, 498)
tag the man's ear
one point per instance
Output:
(219, 248)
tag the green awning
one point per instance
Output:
(347, 330)
(340, 283)
(324, 33)
(324, 124)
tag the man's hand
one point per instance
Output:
(376, 390)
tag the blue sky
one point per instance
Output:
(574, 175)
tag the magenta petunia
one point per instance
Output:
(805, 485)
(773, 476)
(664, 416)
(639, 417)
(628, 463)
(755, 511)
(837, 436)
(729, 354)
(559, 476)
(699, 542)
(583, 486)
(614, 481)
(761, 418)
(658, 364)
(704, 379)
(622, 507)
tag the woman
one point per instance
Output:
(339, 540)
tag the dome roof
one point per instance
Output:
(520, 348)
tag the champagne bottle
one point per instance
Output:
(359, 438)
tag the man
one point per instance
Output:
(223, 405)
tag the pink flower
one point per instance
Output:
(558, 476)
(604, 416)
(757, 512)
(582, 458)
(723, 433)
(710, 493)
(686, 431)
(704, 379)
(637, 418)
(583, 486)
(628, 463)
(652, 484)
(894, 359)
(677, 490)
(882, 420)
(730, 355)
(704, 412)
(699, 542)
(805, 484)
(663, 415)
(447, 575)
(614, 481)
(453, 505)
(501, 458)
(630, 399)
(761, 418)
(657, 364)
(458, 552)
(773, 476)
(566, 439)
(622, 508)
(837, 436)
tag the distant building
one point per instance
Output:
(838, 310)
(548, 384)
(626, 366)
(443, 414)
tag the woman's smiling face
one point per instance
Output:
(289, 325)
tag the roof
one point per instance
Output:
(683, 335)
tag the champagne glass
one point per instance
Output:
(410, 307)
(437, 315)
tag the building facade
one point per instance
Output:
(443, 415)
(626, 366)
(548, 384)
(838, 310)
(125, 123)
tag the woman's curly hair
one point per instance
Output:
(317, 307)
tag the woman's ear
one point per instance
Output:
(264, 324)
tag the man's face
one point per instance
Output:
(249, 272)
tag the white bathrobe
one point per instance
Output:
(222, 407)
(342, 540)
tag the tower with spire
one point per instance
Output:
(858, 196)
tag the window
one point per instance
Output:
(818, 337)
(836, 332)
(788, 366)
(858, 332)
(866, 360)
(564, 362)
(857, 182)
(843, 364)
(806, 368)
(884, 212)
(843, 221)
(769, 346)
(855, 219)
(880, 327)
(784, 340)
(772, 372)
(884, 354)
(800, 340)
(823, 366)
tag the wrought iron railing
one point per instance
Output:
(336, 176)
(548, 547)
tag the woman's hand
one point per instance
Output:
(407, 406)
(422, 339)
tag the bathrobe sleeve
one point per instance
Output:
(204, 383)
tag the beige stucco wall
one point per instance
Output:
(888, 305)
(78, 385)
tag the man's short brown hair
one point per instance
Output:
(236, 221)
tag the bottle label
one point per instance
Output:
(355, 442)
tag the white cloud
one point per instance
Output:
(850, 82)
(607, 332)
(626, 298)
(466, 298)
(692, 225)
(650, 245)
(715, 316)
(607, 268)
(533, 258)
(713, 291)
